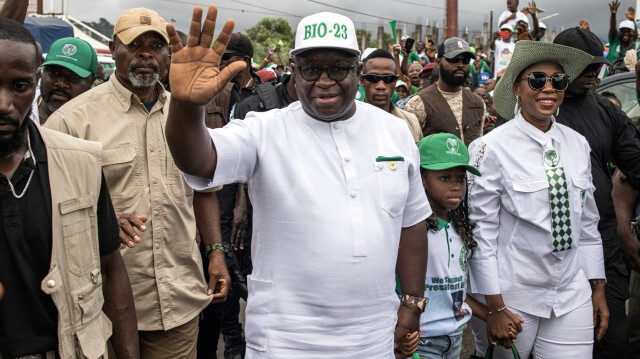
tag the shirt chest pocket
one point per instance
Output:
(123, 176)
(531, 199)
(578, 193)
(180, 190)
(78, 233)
(393, 182)
(216, 117)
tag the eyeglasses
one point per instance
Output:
(538, 81)
(464, 58)
(374, 79)
(335, 73)
(228, 55)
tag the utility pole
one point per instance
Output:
(491, 24)
(452, 18)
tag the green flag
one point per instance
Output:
(393, 31)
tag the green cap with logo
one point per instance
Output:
(443, 151)
(74, 54)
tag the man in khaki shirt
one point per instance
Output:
(128, 115)
(379, 76)
(448, 107)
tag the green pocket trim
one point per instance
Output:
(389, 159)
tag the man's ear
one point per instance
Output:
(359, 68)
(112, 48)
(438, 61)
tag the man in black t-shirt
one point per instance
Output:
(612, 137)
(29, 318)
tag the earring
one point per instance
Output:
(515, 109)
(558, 111)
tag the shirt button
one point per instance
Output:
(353, 194)
(155, 213)
(452, 256)
(152, 149)
(155, 181)
(335, 125)
(51, 283)
(347, 159)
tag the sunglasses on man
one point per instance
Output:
(374, 79)
(466, 59)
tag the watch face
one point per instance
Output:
(421, 303)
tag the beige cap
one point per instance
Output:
(135, 22)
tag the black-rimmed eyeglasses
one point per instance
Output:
(335, 73)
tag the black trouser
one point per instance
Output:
(614, 342)
(633, 347)
(224, 317)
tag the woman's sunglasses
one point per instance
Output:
(538, 80)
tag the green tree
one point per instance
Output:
(373, 41)
(103, 26)
(268, 32)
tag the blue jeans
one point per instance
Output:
(442, 347)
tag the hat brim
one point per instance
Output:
(454, 53)
(600, 60)
(75, 68)
(527, 53)
(447, 165)
(128, 35)
(295, 52)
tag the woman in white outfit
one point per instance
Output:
(539, 252)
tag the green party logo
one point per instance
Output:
(551, 158)
(452, 147)
(463, 258)
(321, 30)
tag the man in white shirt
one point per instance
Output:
(511, 16)
(336, 191)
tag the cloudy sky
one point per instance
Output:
(365, 13)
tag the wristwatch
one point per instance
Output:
(211, 247)
(411, 301)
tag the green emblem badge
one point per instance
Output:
(463, 258)
(551, 158)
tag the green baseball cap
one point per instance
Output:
(442, 151)
(74, 54)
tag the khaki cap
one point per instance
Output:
(135, 22)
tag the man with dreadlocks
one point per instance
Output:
(444, 164)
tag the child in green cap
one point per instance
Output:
(444, 162)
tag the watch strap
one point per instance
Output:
(211, 247)
(411, 301)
